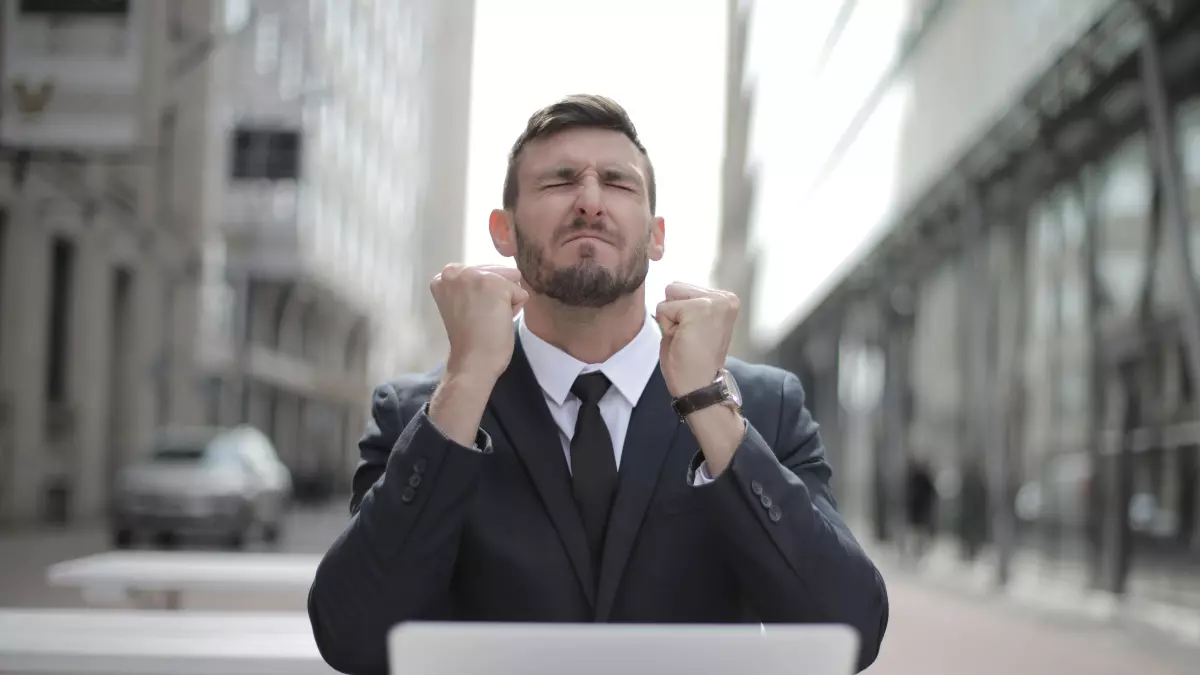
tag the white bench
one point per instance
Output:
(160, 578)
(146, 642)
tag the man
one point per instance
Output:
(590, 463)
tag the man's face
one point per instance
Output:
(581, 231)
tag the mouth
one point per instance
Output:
(592, 237)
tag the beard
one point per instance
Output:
(586, 283)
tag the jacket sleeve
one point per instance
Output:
(795, 558)
(395, 558)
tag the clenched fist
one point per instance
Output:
(477, 304)
(697, 326)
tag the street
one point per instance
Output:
(932, 630)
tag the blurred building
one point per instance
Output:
(344, 125)
(734, 267)
(976, 226)
(216, 212)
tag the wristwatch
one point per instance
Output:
(722, 391)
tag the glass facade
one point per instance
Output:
(1046, 366)
(1076, 451)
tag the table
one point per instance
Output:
(145, 642)
(159, 578)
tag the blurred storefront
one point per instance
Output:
(1020, 303)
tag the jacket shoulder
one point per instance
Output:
(769, 394)
(408, 392)
(757, 376)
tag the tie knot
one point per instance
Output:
(590, 387)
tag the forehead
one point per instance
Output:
(581, 148)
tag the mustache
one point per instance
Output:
(580, 226)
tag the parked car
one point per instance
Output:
(223, 483)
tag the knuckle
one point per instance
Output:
(486, 282)
(472, 277)
(451, 271)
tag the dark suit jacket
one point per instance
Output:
(445, 532)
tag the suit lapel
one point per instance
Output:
(653, 430)
(520, 412)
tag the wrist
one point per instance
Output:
(719, 430)
(468, 381)
(457, 406)
(471, 370)
(691, 382)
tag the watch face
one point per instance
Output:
(735, 394)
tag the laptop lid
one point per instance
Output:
(449, 648)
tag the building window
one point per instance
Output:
(271, 154)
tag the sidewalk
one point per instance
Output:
(933, 630)
(1050, 589)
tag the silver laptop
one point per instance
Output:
(447, 648)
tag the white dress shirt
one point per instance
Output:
(628, 370)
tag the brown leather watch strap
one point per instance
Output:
(713, 394)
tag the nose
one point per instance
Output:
(590, 204)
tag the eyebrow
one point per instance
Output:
(617, 175)
(571, 173)
(559, 173)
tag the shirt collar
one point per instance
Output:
(629, 369)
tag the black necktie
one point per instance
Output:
(593, 466)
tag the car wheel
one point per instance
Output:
(122, 538)
(272, 533)
(236, 540)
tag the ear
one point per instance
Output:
(658, 235)
(504, 235)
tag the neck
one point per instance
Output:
(589, 334)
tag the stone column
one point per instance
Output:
(25, 303)
(147, 358)
(125, 386)
(84, 444)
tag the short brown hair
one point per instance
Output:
(587, 111)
